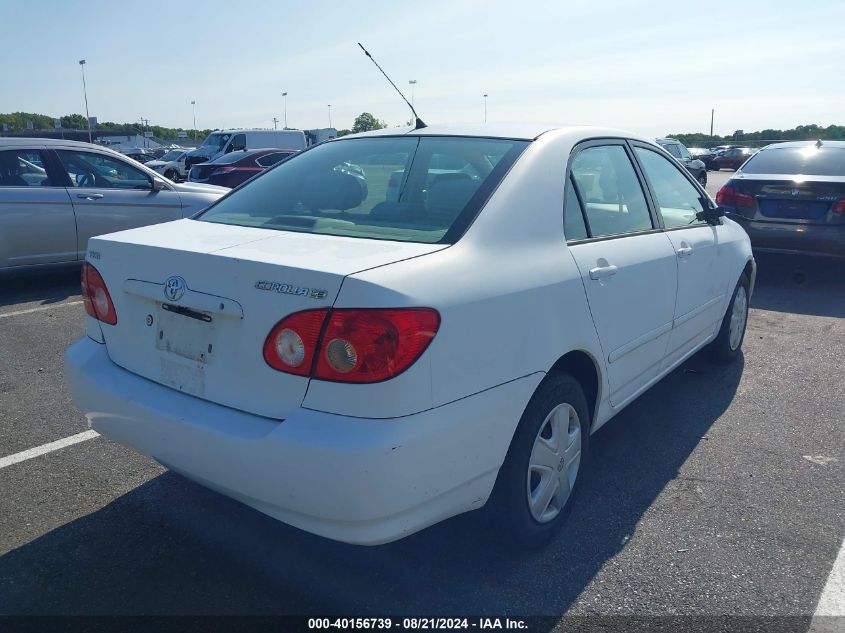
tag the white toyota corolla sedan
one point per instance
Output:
(393, 328)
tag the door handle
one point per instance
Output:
(89, 196)
(603, 272)
(684, 251)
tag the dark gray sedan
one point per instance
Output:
(790, 198)
(56, 194)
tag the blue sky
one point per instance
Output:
(652, 67)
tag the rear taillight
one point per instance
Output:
(727, 196)
(98, 303)
(351, 345)
(292, 343)
(223, 170)
(839, 207)
(373, 345)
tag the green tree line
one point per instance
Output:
(800, 133)
(17, 121)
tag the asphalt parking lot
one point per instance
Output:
(721, 491)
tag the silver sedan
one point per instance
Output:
(55, 194)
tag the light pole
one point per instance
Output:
(413, 83)
(194, 109)
(712, 114)
(485, 108)
(285, 96)
(144, 124)
(85, 92)
(275, 120)
(330, 115)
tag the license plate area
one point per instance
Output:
(186, 333)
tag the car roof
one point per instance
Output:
(517, 131)
(8, 141)
(241, 131)
(792, 144)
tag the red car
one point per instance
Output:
(233, 168)
(731, 158)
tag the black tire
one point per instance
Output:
(509, 504)
(702, 178)
(171, 174)
(720, 348)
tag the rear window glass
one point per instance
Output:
(269, 160)
(231, 157)
(807, 161)
(412, 189)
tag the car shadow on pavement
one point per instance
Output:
(169, 546)
(800, 284)
(44, 287)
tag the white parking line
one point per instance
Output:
(40, 308)
(830, 612)
(47, 448)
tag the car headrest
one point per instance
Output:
(332, 190)
(448, 197)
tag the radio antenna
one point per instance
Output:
(419, 122)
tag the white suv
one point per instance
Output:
(171, 165)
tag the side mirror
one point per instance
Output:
(710, 215)
(158, 185)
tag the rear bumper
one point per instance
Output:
(364, 481)
(805, 239)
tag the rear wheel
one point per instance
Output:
(702, 178)
(171, 175)
(537, 483)
(726, 346)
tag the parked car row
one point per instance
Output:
(722, 156)
(223, 142)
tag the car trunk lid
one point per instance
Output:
(196, 300)
(790, 199)
(201, 172)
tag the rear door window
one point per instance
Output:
(23, 168)
(614, 201)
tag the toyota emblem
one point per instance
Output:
(174, 288)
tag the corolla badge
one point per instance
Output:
(174, 288)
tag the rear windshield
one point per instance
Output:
(806, 161)
(410, 189)
(231, 157)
